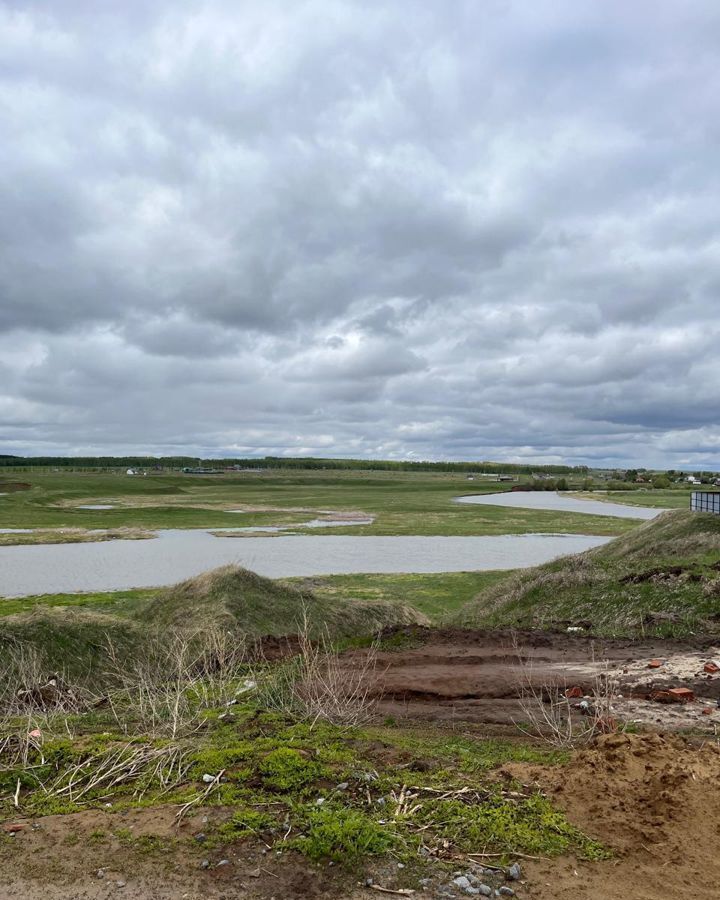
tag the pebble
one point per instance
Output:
(224, 862)
(463, 882)
(200, 837)
(319, 801)
(120, 883)
(514, 872)
(343, 786)
(485, 890)
(505, 891)
(208, 779)
(205, 864)
(100, 873)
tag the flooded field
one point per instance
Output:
(179, 554)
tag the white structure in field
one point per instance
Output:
(705, 501)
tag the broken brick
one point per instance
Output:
(12, 828)
(707, 711)
(574, 693)
(711, 667)
(673, 695)
(655, 664)
(682, 695)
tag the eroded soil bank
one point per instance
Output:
(478, 676)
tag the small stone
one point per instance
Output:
(369, 882)
(224, 862)
(506, 891)
(463, 882)
(485, 890)
(100, 873)
(120, 883)
(254, 873)
(200, 837)
(343, 786)
(401, 865)
(319, 801)
(205, 864)
(208, 779)
(514, 872)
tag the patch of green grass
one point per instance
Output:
(287, 769)
(343, 835)
(436, 595)
(531, 826)
(245, 822)
(121, 603)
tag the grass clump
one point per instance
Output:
(344, 835)
(287, 769)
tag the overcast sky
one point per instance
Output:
(427, 229)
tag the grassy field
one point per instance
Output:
(437, 596)
(675, 498)
(663, 578)
(402, 503)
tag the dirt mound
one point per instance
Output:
(656, 800)
(234, 598)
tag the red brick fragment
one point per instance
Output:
(707, 711)
(12, 827)
(655, 664)
(711, 668)
(574, 693)
(682, 695)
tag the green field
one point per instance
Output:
(402, 503)
(437, 596)
(674, 498)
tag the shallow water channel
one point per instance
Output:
(561, 503)
(178, 554)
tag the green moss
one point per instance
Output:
(343, 835)
(245, 822)
(286, 769)
(531, 826)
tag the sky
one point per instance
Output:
(415, 229)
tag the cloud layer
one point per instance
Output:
(406, 230)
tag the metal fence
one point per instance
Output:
(705, 501)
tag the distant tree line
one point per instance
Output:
(278, 462)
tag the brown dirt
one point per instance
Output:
(450, 675)
(80, 857)
(656, 800)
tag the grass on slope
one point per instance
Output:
(70, 633)
(662, 578)
(234, 598)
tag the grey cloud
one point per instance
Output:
(351, 228)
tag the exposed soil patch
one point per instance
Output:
(477, 676)
(656, 800)
(142, 855)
